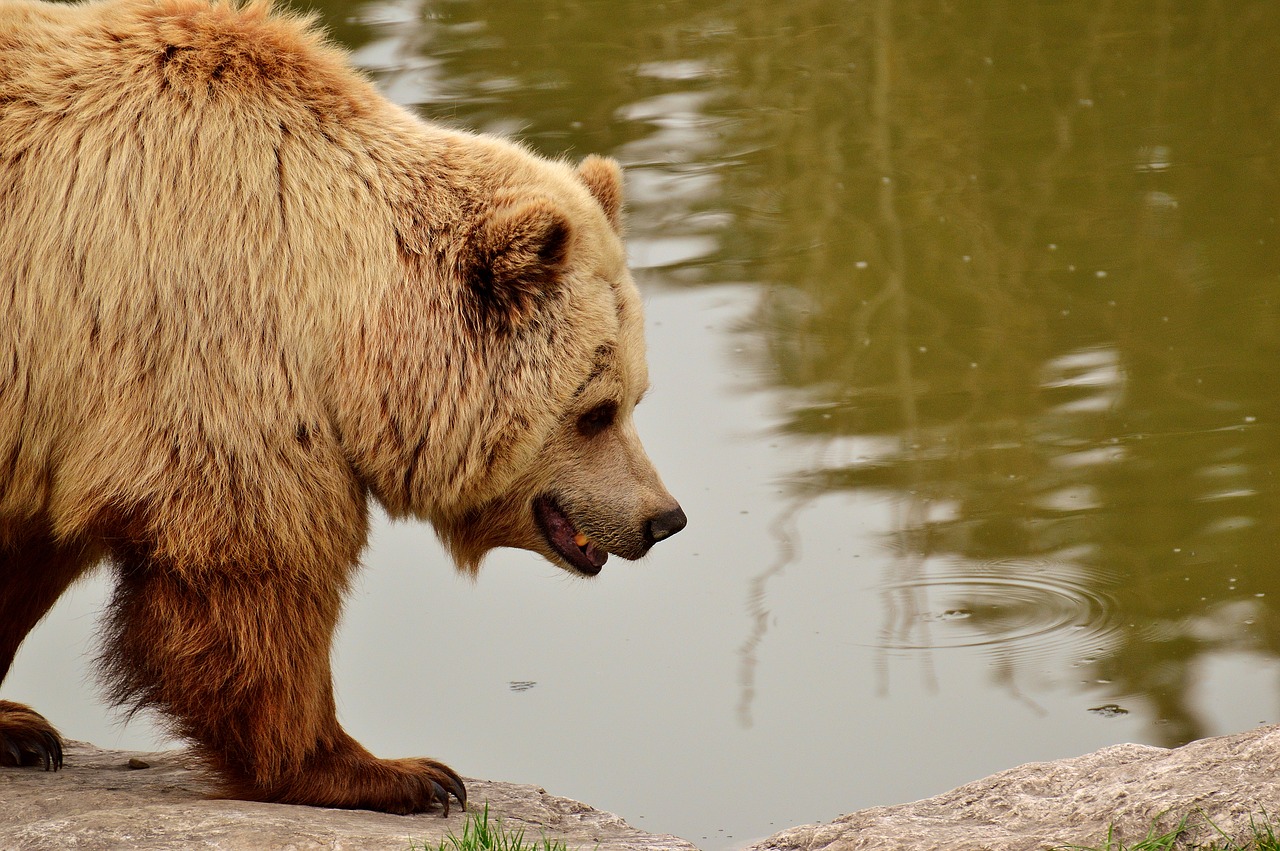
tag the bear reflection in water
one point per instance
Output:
(241, 294)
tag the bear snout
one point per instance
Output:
(664, 525)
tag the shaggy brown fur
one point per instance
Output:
(241, 293)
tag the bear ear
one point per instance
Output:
(603, 177)
(517, 256)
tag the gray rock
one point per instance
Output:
(1229, 779)
(106, 799)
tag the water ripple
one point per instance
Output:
(985, 611)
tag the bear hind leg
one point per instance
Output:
(237, 658)
(33, 574)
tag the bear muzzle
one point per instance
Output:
(587, 556)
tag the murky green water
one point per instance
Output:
(965, 330)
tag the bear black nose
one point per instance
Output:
(665, 525)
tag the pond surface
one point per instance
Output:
(965, 338)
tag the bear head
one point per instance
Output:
(515, 428)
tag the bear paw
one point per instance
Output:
(415, 786)
(400, 786)
(26, 738)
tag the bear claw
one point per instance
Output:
(442, 796)
(27, 739)
(459, 791)
(36, 748)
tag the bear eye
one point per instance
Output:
(597, 419)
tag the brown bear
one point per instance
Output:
(240, 294)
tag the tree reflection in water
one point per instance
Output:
(1043, 268)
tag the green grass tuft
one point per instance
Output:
(479, 834)
(1264, 839)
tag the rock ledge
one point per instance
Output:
(1229, 779)
(98, 801)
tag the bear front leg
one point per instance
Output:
(238, 659)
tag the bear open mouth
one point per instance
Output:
(579, 552)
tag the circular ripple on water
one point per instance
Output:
(981, 611)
